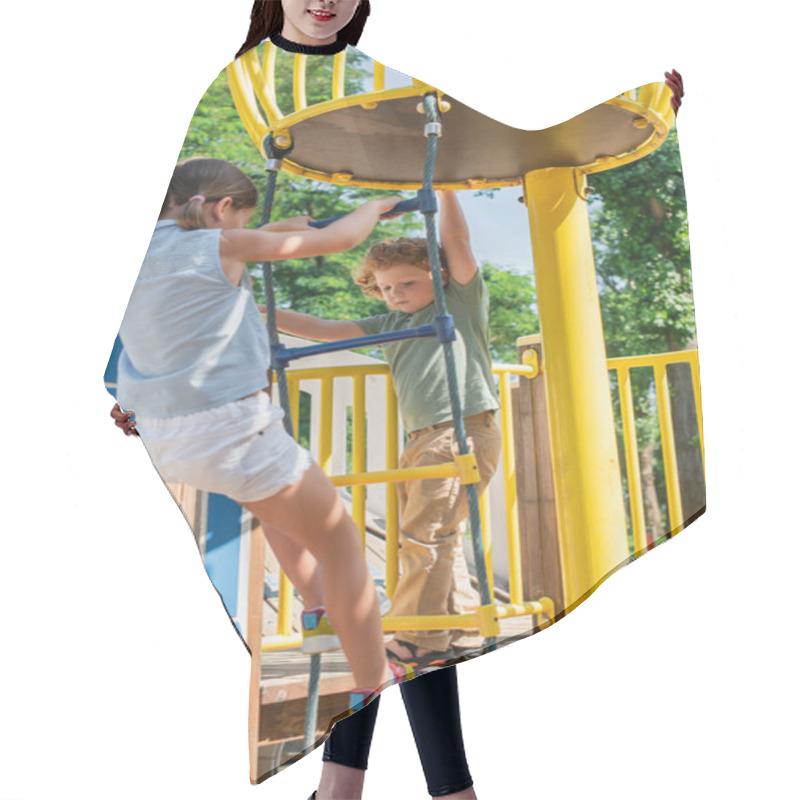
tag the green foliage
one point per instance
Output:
(511, 310)
(641, 245)
(323, 286)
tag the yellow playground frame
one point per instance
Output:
(570, 359)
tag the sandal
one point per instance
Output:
(430, 658)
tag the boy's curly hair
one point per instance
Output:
(393, 253)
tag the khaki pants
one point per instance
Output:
(433, 570)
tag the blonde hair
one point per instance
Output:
(394, 253)
(198, 180)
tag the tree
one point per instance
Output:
(641, 243)
(322, 286)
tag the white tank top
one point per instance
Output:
(192, 340)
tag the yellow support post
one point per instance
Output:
(588, 487)
(359, 492)
(392, 523)
(484, 506)
(378, 77)
(674, 505)
(510, 491)
(326, 424)
(632, 461)
(695, 366)
(294, 405)
(284, 604)
(299, 82)
(339, 62)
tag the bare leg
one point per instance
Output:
(313, 515)
(339, 782)
(299, 565)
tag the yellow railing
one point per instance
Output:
(253, 87)
(658, 363)
(485, 619)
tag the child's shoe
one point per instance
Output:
(318, 633)
(361, 697)
(419, 659)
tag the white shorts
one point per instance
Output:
(239, 449)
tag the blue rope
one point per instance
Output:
(312, 703)
(431, 105)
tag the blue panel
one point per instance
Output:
(111, 368)
(223, 540)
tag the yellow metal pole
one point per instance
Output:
(359, 492)
(510, 490)
(339, 62)
(294, 405)
(632, 461)
(588, 488)
(299, 82)
(285, 595)
(698, 408)
(392, 526)
(326, 424)
(378, 77)
(446, 470)
(484, 506)
(674, 505)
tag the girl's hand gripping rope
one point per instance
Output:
(124, 420)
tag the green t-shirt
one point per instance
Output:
(417, 365)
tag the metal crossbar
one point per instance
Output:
(442, 328)
(281, 355)
(272, 166)
(433, 130)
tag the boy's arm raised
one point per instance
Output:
(454, 234)
(310, 327)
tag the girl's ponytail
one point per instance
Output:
(197, 181)
(190, 215)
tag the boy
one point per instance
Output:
(434, 577)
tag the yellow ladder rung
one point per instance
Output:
(464, 467)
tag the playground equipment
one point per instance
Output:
(475, 151)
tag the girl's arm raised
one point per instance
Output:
(454, 233)
(310, 327)
(238, 246)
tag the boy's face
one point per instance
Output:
(405, 287)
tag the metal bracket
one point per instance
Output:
(278, 358)
(467, 466)
(428, 203)
(445, 328)
(488, 623)
(530, 358)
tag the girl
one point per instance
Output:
(194, 368)
(326, 27)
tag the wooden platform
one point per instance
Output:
(284, 673)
